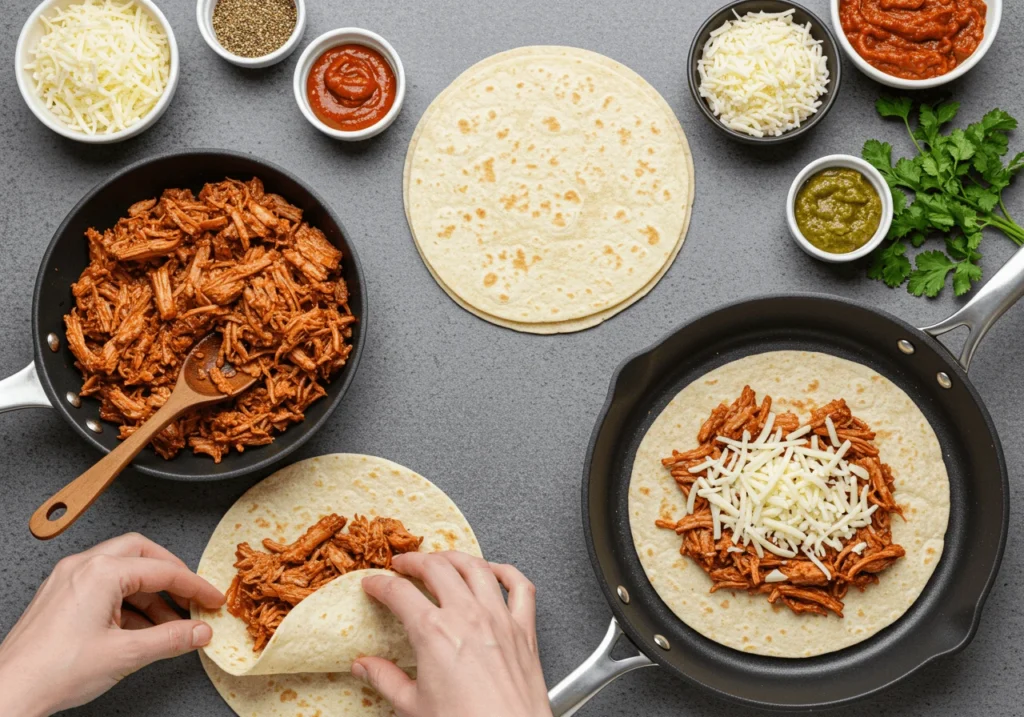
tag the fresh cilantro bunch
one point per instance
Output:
(956, 183)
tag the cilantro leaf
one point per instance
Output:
(911, 219)
(878, 155)
(964, 275)
(927, 125)
(895, 107)
(984, 198)
(890, 265)
(899, 200)
(930, 275)
(908, 173)
(998, 120)
(946, 111)
(1016, 164)
(963, 148)
(937, 210)
(963, 247)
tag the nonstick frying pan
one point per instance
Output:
(52, 380)
(942, 620)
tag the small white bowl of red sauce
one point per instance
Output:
(349, 83)
(913, 57)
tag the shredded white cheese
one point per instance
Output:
(762, 74)
(100, 66)
(784, 496)
(775, 576)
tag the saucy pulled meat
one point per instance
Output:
(269, 584)
(236, 260)
(805, 588)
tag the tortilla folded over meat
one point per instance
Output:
(297, 517)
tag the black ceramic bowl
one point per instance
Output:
(819, 30)
(68, 255)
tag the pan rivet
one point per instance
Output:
(623, 594)
(944, 380)
(661, 642)
(94, 425)
(905, 346)
(73, 399)
(53, 342)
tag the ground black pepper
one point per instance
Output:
(253, 28)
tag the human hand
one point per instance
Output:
(74, 642)
(476, 656)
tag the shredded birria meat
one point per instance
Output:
(796, 511)
(236, 260)
(269, 584)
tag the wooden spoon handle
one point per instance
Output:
(79, 494)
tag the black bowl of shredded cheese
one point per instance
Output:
(744, 41)
(252, 33)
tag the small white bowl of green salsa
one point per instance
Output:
(874, 179)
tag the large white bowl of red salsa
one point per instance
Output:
(926, 67)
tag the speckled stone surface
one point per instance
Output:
(498, 419)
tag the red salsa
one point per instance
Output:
(351, 87)
(914, 39)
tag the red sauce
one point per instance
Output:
(351, 87)
(914, 39)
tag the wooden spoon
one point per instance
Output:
(194, 388)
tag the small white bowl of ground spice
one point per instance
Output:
(252, 33)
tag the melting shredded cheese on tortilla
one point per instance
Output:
(100, 66)
(762, 74)
(783, 495)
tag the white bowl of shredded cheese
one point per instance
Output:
(97, 71)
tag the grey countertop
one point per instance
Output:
(498, 419)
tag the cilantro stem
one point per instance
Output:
(1009, 228)
(1003, 207)
(906, 123)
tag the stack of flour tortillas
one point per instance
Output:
(548, 188)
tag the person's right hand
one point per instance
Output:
(75, 640)
(476, 656)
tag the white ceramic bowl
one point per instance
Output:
(992, 18)
(345, 36)
(204, 16)
(31, 33)
(872, 175)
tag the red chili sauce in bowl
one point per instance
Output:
(914, 39)
(351, 87)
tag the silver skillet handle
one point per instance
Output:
(990, 302)
(23, 390)
(591, 677)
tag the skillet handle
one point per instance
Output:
(23, 390)
(593, 675)
(990, 302)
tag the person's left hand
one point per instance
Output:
(74, 641)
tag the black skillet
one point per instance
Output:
(942, 620)
(52, 380)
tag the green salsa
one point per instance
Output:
(838, 210)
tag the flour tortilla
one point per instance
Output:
(799, 382)
(575, 270)
(312, 651)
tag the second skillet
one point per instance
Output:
(52, 380)
(945, 615)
